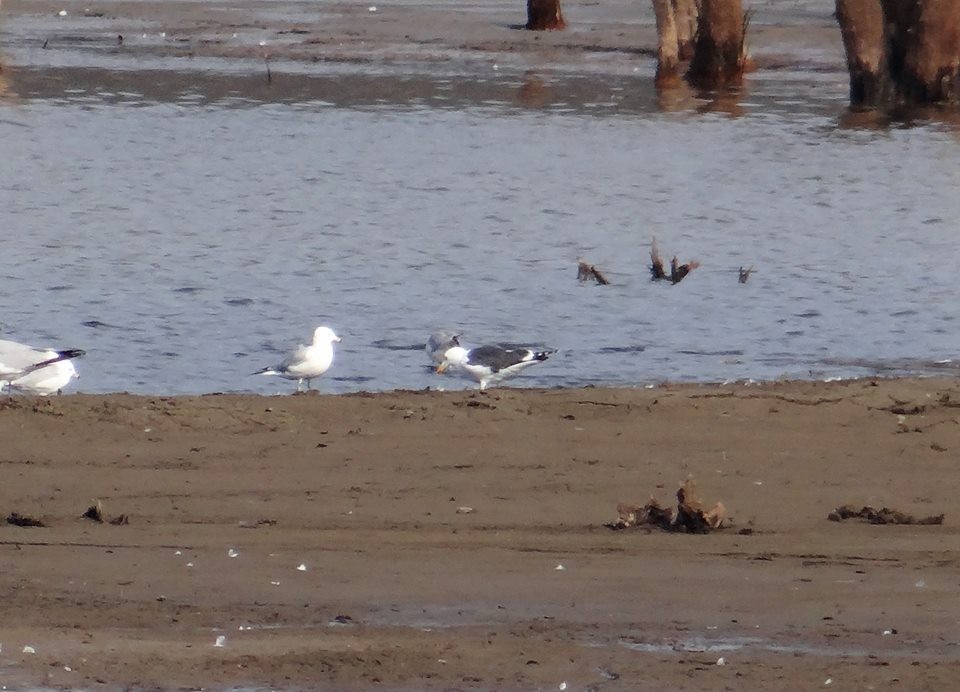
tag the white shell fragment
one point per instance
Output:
(302, 567)
(232, 553)
(221, 641)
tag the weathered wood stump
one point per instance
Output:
(718, 51)
(543, 15)
(685, 13)
(676, 29)
(668, 45)
(901, 52)
(861, 24)
(923, 49)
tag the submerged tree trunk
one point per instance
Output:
(685, 15)
(668, 48)
(718, 53)
(861, 24)
(923, 49)
(544, 14)
(901, 52)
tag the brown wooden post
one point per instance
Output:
(861, 25)
(718, 53)
(545, 15)
(923, 49)
(685, 14)
(668, 49)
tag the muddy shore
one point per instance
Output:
(425, 540)
(474, 38)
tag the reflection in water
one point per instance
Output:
(8, 95)
(533, 93)
(182, 227)
(725, 101)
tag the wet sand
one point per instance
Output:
(432, 528)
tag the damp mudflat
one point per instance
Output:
(187, 219)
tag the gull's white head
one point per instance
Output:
(454, 356)
(324, 335)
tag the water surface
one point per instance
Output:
(186, 228)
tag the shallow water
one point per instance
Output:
(187, 228)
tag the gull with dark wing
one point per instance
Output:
(492, 364)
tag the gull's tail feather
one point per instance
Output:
(271, 370)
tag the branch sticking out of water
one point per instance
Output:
(586, 271)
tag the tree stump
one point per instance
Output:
(668, 45)
(685, 15)
(543, 15)
(718, 51)
(901, 52)
(923, 49)
(861, 24)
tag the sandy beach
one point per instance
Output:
(426, 540)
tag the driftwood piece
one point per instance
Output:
(677, 271)
(95, 513)
(656, 262)
(688, 517)
(17, 519)
(884, 515)
(587, 271)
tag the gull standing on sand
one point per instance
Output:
(40, 371)
(306, 362)
(439, 343)
(491, 364)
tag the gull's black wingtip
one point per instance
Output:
(71, 353)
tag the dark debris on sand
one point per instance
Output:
(688, 517)
(18, 519)
(884, 515)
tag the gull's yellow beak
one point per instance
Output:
(442, 368)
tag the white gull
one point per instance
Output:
(306, 362)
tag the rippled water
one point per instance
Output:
(187, 229)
